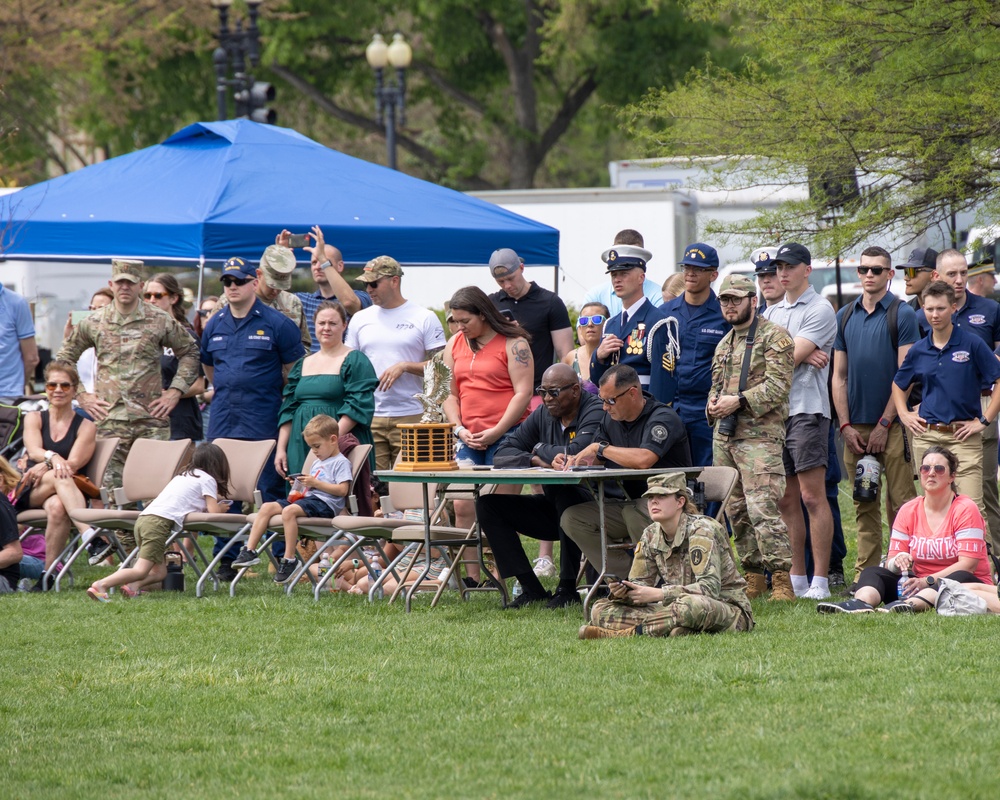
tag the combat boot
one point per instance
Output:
(681, 631)
(781, 586)
(595, 632)
(756, 585)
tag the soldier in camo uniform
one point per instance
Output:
(701, 590)
(129, 337)
(753, 445)
(274, 279)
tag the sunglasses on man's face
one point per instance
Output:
(595, 319)
(51, 386)
(876, 271)
(228, 281)
(912, 272)
(543, 392)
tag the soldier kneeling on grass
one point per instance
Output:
(689, 555)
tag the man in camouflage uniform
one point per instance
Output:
(129, 337)
(274, 279)
(701, 590)
(753, 444)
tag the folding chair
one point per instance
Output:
(150, 465)
(35, 519)
(246, 462)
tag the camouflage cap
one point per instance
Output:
(381, 267)
(737, 286)
(277, 265)
(668, 483)
(125, 270)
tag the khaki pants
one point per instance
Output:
(624, 520)
(969, 480)
(386, 437)
(991, 500)
(897, 488)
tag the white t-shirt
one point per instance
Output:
(335, 469)
(388, 336)
(185, 494)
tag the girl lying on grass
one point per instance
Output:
(198, 488)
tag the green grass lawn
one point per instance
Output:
(265, 695)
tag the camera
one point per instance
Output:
(727, 425)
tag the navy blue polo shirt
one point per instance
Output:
(700, 329)
(953, 377)
(871, 361)
(248, 355)
(979, 315)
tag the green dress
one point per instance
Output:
(351, 393)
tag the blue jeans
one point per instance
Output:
(482, 458)
(32, 567)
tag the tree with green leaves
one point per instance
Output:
(885, 109)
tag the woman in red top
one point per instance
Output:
(492, 371)
(939, 535)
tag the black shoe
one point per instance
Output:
(225, 572)
(525, 599)
(98, 549)
(246, 558)
(847, 607)
(563, 598)
(285, 570)
(43, 587)
(836, 579)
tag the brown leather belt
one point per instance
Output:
(986, 393)
(935, 426)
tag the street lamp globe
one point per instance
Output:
(399, 52)
(377, 52)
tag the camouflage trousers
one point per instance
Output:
(759, 533)
(128, 432)
(691, 611)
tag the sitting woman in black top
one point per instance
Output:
(58, 443)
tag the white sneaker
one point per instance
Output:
(816, 593)
(544, 568)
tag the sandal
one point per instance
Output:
(130, 593)
(98, 595)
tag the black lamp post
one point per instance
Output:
(236, 59)
(390, 99)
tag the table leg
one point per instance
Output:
(604, 552)
(427, 548)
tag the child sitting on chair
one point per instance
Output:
(198, 487)
(327, 486)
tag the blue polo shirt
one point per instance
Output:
(700, 329)
(871, 361)
(953, 377)
(248, 355)
(15, 325)
(979, 315)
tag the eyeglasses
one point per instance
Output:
(610, 401)
(231, 281)
(939, 469)
(876, 271)
(911, 272)
(204, 312)
(154, 295)
(731, 301)
(51, 386)
(595, 319)
(541, 391)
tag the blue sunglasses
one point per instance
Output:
(596, 319)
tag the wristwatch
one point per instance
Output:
(49, 454)
(982, 419)
(601, 448)
(931, 580)
(885, 423)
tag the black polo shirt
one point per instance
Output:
(543, 435)
(539, 312)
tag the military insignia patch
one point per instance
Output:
(659, 433)
(698, 560)
(783, 343)
(668, 361)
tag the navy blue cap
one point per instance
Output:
(793, 253)
(239, 268)
(700, 255)
(924, 258)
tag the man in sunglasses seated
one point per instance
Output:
(567, 423)
(637, 432)
(248, 349)
(128, 337)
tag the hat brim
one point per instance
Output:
(697, 265)
(282, 284)
(126, 276)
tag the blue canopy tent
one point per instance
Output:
(219, 189)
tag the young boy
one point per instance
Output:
(328, 484)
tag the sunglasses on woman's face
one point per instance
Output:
(596, 319)
(154, 295)
(51, 386)
(939, 469)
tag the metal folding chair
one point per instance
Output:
(150, 465)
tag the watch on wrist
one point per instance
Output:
(983, 420)
(600, 450)
(885, 423)
(931, 580)
(49, 455)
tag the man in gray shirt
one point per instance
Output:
(813, 325)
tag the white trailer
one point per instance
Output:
(587, 220)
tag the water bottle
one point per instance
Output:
(515, 592)
(866, 477)
(375, 570)
(903, 578)
(324, 564)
